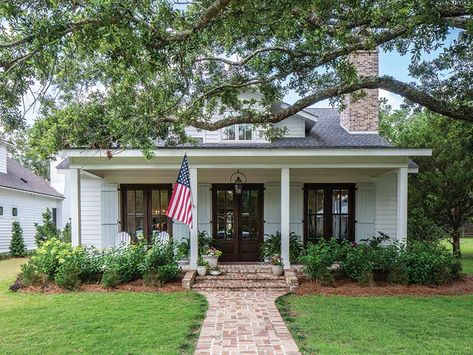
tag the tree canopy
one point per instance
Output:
(441, 195)
(126, 72)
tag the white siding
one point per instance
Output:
(386, 204)
(30, 210)
(365, 211)
(91, 211)
(295, 126)
(3, 159)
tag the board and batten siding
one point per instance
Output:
(91, 211)
(365, 200)
(30, 211)
(386, 205)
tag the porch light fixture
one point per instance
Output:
(238, 182)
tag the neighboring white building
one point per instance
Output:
(332, 176)
(24, 197)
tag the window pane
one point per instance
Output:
(344, 226)
(245, 132)
(336, 226)
(319, 204)
(320, 226)
(164, 200)
(229, 225)
(139, 202)
(130, 201)
(311, 201)
(228, 133)
(344, 201)
(336, 201)
(311, 228)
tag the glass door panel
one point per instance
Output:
(134, 215)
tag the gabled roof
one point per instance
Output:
(20, 178)
(325, 133)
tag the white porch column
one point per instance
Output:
(285, 187)
(402, 204)
(76, 238)
(194, 237)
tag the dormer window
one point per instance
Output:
(238, 132)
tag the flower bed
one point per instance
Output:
(56, 262)
(415, 263)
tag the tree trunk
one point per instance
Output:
(456, 242)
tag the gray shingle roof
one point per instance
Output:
(326, 133)
(20, 178)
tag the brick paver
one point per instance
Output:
(244, 322)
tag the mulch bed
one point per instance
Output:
(135, 286)
(350, 288)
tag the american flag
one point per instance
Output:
(180, 205)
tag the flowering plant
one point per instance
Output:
(211, 251)
(277, 260)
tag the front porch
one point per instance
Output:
(346, 194)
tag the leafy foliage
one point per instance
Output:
(272, 246)
(125, 73)
(17, 243)
(47, 230)
(50, 255)
(417, 263)
(441, 195)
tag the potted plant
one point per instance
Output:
(211, 255)
(215, 271)
(202, 266)
(277, 265)
(182, 252)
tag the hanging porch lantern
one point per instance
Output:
(236, 179)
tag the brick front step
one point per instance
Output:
(239, 284)
(245, 268)
(240, 276)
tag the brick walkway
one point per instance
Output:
(244, 322)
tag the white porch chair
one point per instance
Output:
(162, 237)
(124, 239)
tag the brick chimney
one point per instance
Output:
(362, 115)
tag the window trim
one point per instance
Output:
(328, 217)
(14, 208)
(2, 211)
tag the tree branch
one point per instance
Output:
(388, 83)
(459, 22)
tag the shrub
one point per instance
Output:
(183, 248)
(204, 241)
(66, 234)
(47, 230)
(272, 246)
(68, 275)
(420, 227)
(429, 263)
(30, 276)
(50, 255)
(123, 264)
(158, 276)
(17, 244)
(319, 257)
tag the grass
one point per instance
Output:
(379, 325)
(114, 322)
(466, 247)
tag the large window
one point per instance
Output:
(144, 210)
(329, 212)
(239, 132)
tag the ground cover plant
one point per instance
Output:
(379, 325)
(418, 262)
(96, 322)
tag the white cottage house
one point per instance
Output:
(24, 197)
(332, 176)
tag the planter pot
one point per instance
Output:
(201, 270)
(277, 270)
(212, 260)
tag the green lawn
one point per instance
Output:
(467, 255)
(115, 322)
(380, 325)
